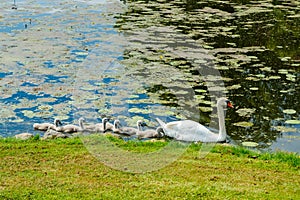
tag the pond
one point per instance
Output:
(145, 59)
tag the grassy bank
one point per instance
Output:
(64, 169)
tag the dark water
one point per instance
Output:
(256, 49)
(146, 59)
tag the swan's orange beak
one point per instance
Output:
(229, 104)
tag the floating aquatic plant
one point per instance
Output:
(292, 121)
(137, 110)
(173, 43)
(250, 144)
(6, 113)
(246, 112)
(45, 107)
(243, 124)
(254, 88)
(289, 111)
(284, 129)
(28, 113)
(234, 87)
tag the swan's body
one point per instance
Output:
(71, 128)
(24, 136)
(188, 130)
(109, 126)
(51, 134)
(150, 133)
(129, 131)
(102, 127)
(46, 126)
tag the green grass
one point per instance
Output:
(292, 159)
(64, 169)
(137, 145)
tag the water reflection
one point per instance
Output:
(255, 47)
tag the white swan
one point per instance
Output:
(102, 127)
(109, 126)
(71, 128)
(129, 131)
(52, 134)
(148, 133)
(99, 126)
(46, 126)
(188, 130)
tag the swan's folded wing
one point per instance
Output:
(193, 131)
(173, 125)
(187, 125)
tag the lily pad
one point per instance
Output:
(62, 117)
(243, 124)
(285, 59)
(44, 107)
(28, 113)
(250, 144)
(137, 110)
(132, 121)
(205, 109)
(134, 96)
(266, 69)
(6, 113)
(251, 78)
(160, 111)
(234, 87)
(283, 71)
(284, 91)
(292, 121)
(274, 77)
(245, 112)
(79, 59)
(289, 111)
(284, 129)
(290, 77)
(260, 75)
(82, 53)
(199, 96)
(18, 120)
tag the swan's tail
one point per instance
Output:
(162, 124)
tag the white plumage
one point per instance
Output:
(188, 130)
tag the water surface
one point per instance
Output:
(140, 60)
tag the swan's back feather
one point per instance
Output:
(188, 130)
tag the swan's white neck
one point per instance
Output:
(222, 129)
(81, 123)
(116, 125)
(139, 127)
(104, 124)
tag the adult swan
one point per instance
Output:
(188, 130)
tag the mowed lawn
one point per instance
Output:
(64, 169)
